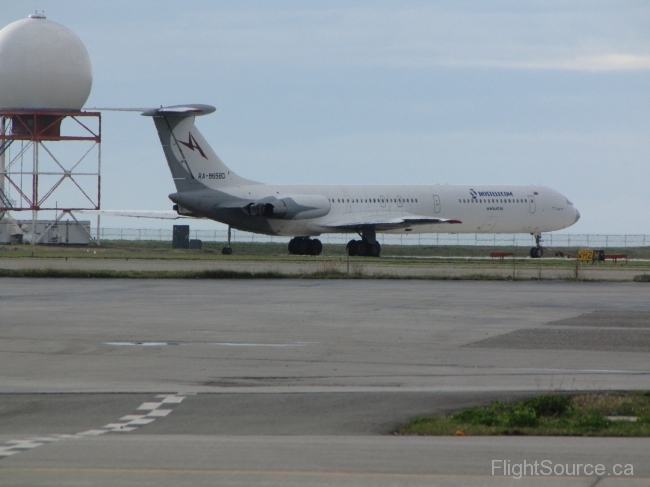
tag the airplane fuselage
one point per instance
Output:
(480, 209)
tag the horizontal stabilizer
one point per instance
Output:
(192, 110)
(118, 109)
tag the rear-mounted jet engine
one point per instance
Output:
(295, 207)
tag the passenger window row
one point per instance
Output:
(373, 200)
(507, 200)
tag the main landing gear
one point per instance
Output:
(366, 247)
(305, 246)
(537, 252)
(227, 250)
(363, 248)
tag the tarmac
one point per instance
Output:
(292, 382)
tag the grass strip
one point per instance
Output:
(161, 249)
(326, 273)
(128, 274)
(590, 414)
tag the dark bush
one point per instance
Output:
(478, 415)
(592, 421)
(549, 406)
(522, 418)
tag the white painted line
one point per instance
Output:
(299, 344)
(585, 371)
(115, 426)
(119, 427)
(91, 433)
(131, 417)
(150, 405)
(124, 429)
(172, 399)
(131, 422)
(216, 344)
(24, 444)
(141, 422)
(159, 413)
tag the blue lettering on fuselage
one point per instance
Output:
(475, 194)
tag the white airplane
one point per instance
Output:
(207, 188)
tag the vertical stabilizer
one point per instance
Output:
(192, 162)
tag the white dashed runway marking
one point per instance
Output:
(214, 344)
(148, 413)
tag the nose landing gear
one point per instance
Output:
(227, 250)
(305, 246)
(538, 251)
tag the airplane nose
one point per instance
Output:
(577, 215)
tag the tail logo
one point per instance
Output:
(191, 144)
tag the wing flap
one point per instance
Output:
(383, 222)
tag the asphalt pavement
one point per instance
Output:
(291, 382)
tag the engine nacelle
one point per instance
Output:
(184, 211)
(292, 207)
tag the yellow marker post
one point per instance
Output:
(585, 255)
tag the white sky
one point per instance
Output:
(409, 92)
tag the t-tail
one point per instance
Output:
(192, 162)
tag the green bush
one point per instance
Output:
(522, 418)
(478, 415)
(592, 421)
(550, 406)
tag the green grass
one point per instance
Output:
(323, 273)
(152, 249)
(111, 274)
(468, 259)
(549, 415)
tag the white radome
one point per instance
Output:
(43, 66)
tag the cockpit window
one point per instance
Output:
(568, 202)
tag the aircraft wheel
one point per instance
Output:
(226, 251)
(532, 252)
(315, 247)
(375, 249)
(303, 246)
(351, 247)
(362, 247)
(292, 246)
(539, 252)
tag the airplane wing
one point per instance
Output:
(385, 222)
(163, 215)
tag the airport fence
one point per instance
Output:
(558, 240)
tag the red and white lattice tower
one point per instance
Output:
(50, 150)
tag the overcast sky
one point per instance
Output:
(408, 92)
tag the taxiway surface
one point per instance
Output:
(265, 382)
